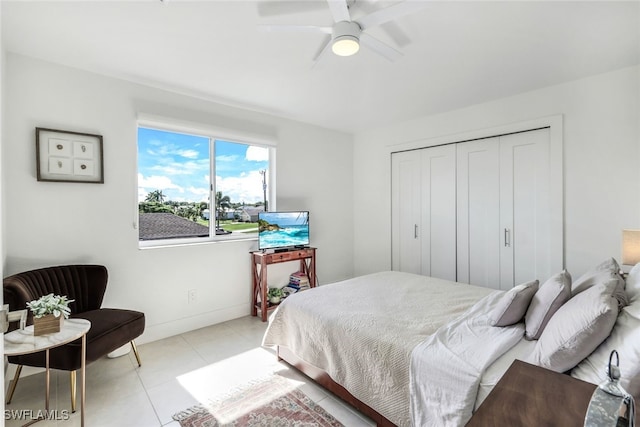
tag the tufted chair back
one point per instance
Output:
(85, 284)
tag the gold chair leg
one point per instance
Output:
(72, 383)
(135, 352)
(14, 383)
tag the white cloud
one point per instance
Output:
(152, 183)
(190, 154)
(246, 188)
(257, 154)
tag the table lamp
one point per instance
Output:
(630, 249)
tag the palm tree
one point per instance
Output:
(155, 196)
(222, 203)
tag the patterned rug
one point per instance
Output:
(271, 401)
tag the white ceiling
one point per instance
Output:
(460, 53)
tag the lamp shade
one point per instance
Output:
(630, 247)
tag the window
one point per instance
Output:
(197, 187)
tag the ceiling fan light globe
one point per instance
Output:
(345, 45)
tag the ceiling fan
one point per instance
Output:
(346, 35)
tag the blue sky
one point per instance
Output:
(178, 164)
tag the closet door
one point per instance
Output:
(525, 209)
(423, 212)
(405, 211)
(478, 212)
(439, 212)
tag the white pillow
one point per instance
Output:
(549, 298)
(577, 328)
(513, 304)
(625, 339)
(632, 286)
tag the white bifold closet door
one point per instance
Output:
(423, 211)
(476, 212)
(503, 210)
(525, 210)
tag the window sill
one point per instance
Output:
(171, 243)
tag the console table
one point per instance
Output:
(260, 288)
(22, 341)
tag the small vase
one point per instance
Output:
(47, 324)
(274, 300)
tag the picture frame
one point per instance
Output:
(66, 156)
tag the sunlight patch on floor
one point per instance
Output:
(218, 379)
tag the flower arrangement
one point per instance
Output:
(50, 304)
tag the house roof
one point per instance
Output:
(454, 53)
(162, 225)
(251, 210)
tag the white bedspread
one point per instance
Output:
(362, 331)
(446, 368)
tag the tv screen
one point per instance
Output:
(283, 229)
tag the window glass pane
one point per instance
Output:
(173, 185)
(241, 182)
(183, 194)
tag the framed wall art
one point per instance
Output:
(65, 156)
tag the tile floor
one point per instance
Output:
(176, 373)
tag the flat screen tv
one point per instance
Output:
(282, 230)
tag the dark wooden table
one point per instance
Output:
(528, 395)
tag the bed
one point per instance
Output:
(376, 340)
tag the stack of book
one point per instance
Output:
(298, 281)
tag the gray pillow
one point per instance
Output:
(549, 298)
(594, 276)
(624, 338)
(513, 305)
(577, 329)
(601, 273)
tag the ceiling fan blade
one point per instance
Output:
(392, 12)
(393, 29)
(339, 10)
(295, 28)
(287, 7)
(324, 48)
(379, 47)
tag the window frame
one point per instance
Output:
(213, 133)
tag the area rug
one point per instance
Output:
(272, 401)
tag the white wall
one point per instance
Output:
(54, 223)
(601, 164)
(2, 192)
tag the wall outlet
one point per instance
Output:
(192, 296)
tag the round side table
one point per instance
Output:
(22, 341)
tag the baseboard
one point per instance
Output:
(180, 326)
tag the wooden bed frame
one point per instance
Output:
(322, 378)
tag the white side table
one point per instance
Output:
(22, 341)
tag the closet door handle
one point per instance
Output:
(415, 231)
(507, 237)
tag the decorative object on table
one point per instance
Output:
(49, 313)
(275, 295)
(610, 404)
(65, 156)
(272, 400)
(7, 317)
